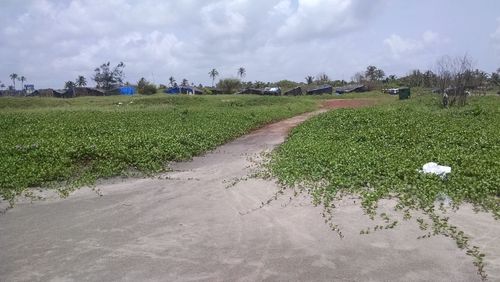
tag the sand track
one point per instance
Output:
(200, 223)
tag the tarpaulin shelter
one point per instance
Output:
(127, 90)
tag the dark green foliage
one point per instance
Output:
(145, 87)
(229, 85)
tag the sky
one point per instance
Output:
(50, 42)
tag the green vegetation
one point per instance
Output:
(377, 153)
(73, 142)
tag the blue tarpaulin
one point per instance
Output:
(183, 90)
(127, 90)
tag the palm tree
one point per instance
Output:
(69, 85)
(2, 86)
(81, 81)
(309, 79)
(185, 82)
(22, 79)
(242, 72)
(213, 74)
(13, 76)
(171, 81)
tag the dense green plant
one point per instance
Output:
(145, 87)
(229, 85)
(79, 141)
(377, 153)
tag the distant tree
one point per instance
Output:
(69, 85)
(107, 78)
(2, 86)
(229, 85)
(13, 77)
(430, 79)
(145, 87)
(373, 73)
(81, 81)
(213, 74)
(309, 79)
(286, 84)
(242, 72)
(171, 81)
(358, 77)
(322, 78)
(495, 78)
(184, 82)
(260, 84)
(454, 75)
(22, 79)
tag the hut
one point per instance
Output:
(351, 88)
(127, 90)
(297, 91)
(324, 89)
(254, 91)
(183, 90)
(273, 91)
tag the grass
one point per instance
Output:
(74, 142)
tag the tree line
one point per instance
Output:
(454, 73)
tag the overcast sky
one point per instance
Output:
(50, 42)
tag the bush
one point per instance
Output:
(145, 87)
(229, 85)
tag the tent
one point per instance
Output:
(324, 89)
(183, 90)
(127, 90)
(294, 92)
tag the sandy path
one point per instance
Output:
(187, 225)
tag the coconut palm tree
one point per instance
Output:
(171, 81)
(2, 86)
(69, 85)
(213, 74)
(81, 81)
(242, 72)
(309, 79)
(22, 79)
(185, 82)
(13, 76)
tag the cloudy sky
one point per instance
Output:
(52, 41)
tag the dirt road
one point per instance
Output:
(199, 223)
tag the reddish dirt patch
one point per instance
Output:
(347, 103)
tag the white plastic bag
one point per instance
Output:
(434, 168)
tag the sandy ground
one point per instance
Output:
(199, 223)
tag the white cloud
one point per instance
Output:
(495, 38)
(400, 46)
(315, 19)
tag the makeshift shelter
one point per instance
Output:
(324, 89)
(274, 91)
(351, 88)
(183, 90)
(297, 91)
(43, 93)
(252, 91)
(127, 90)
(85, 91)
